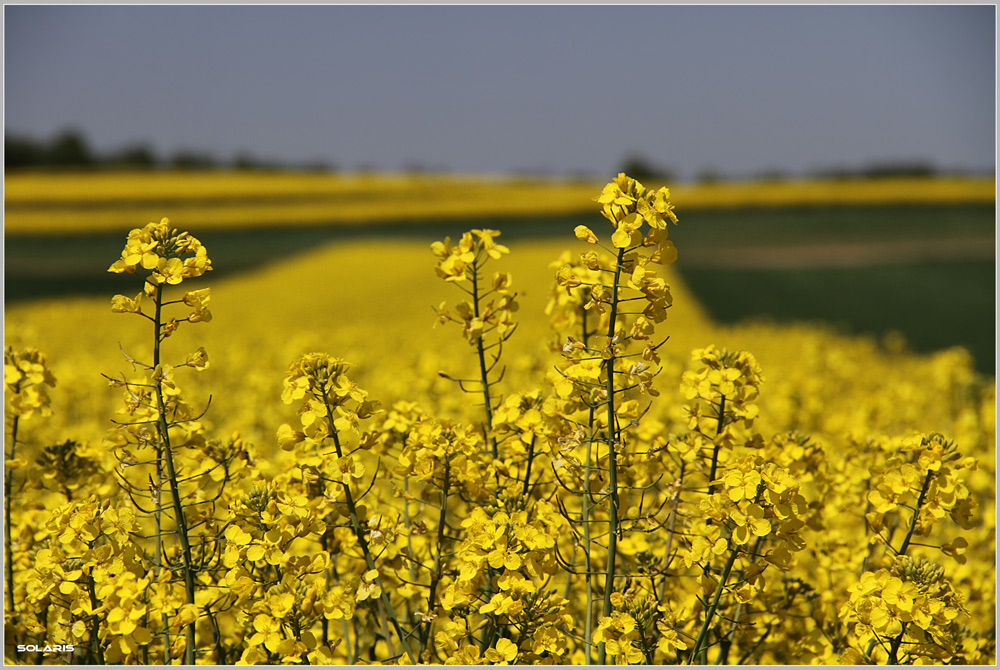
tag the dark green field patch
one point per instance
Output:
(816, 225)
(935, 305)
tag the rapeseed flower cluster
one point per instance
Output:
(910, 611)
(25, 376)
(462, 264)
(168, 255)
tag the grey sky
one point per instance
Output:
(738, 89)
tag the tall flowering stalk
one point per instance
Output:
(910, 600)
(162, 256)
(444, 461)
(331, 405)
(753, 499)
(486, 323)
(605, 376)
(568, 313)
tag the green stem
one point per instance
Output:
(384, 630)
(587, 471)
(726, 643)
(8, 536)
(894, 647)
(157, 496)
(671, 530)
(220, 651)
(157, 499)
(871, 647)
(609, 580)
(344, 626)
(527, 473)
(916, 513)
(699, 645)
(180, 520)
(483, 373)
(489, 634)
(325, 626)
(715, 451)
(95, 623)
(438, 551)
(347, 641)
(411, 560)
(363, 543)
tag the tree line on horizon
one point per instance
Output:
(70, 149)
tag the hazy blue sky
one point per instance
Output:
(738, 89)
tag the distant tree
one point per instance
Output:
(21, 151)
(187, 159)
(134, 156)
(639, 167)
(244, 160)
(836, 173)
(907, 168)
(68, 149)
(877, 170)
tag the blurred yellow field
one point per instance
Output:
(371, 303)
(49, 203)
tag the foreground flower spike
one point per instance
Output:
(486, 324)
(158, 418)
(332, 404)
(612, 301)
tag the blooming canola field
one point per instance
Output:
(470, 451)
(78, 203)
